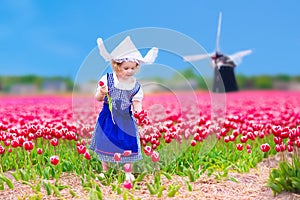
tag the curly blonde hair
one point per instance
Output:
(117, 66)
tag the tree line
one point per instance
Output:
(6, 82)
(247, 82)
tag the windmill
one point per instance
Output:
(224, 78)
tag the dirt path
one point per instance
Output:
(250, 186)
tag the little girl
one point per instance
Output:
(116, 137)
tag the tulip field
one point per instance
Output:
(45, 138)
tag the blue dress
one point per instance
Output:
(116, 130)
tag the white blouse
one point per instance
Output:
(123, 86)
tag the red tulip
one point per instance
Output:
(297, 142)
(243, 139)
(227, 139)
(28, 145)
(282, 147)
(239, 147)
(193, 143)
(277, 140)
(81, 149)
(277, 148)
(117, 157)
(168, 140)
(101, 83)
(54, 160)
(7, 143)
(148, 150)
(2, 149)
(39, 151)
(87, 155)
(15, 143)
(196, 136)
(54, 142)
(265, 147)
(290, 148)
(155, 156)
(285, 133)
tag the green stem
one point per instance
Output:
(1, 170)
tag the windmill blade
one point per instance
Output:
(218, 32)
(237, 57)
(197, 57)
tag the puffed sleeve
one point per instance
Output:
(139, 95)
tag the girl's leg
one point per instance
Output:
(128, 169)
(104, 166)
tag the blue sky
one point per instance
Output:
(54, 38)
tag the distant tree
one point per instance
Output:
(263, 82)
(296, 78)
(283, 78)
(190, 74)
(241, 81)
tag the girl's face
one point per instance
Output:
(127, 70)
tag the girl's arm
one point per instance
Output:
(137, 101)
(101, 92)
(137, 106)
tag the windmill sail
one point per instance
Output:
(236, 58)
(218, 32)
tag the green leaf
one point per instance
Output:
(109, 102)
(188, 185)
(1, 185)
(92, 195)
(160, 190)
(15, 175)
(125, 195)
(61, 187)
(72, 193)
(191, 175)
(38, 187)
(233, 179)
(7, 181)
(274, 187)
(295, 182)
(284, 168)
(281, 181)
(157, 180)
(52, 172)
(172, 190)
(168, 176)
(151, 189)
(296, 162)
(46, 173)
(47, 187)
(140, 177)
(24, 176)
(56, 190)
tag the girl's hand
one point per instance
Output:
(103, 88)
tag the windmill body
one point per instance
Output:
(223, 65)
